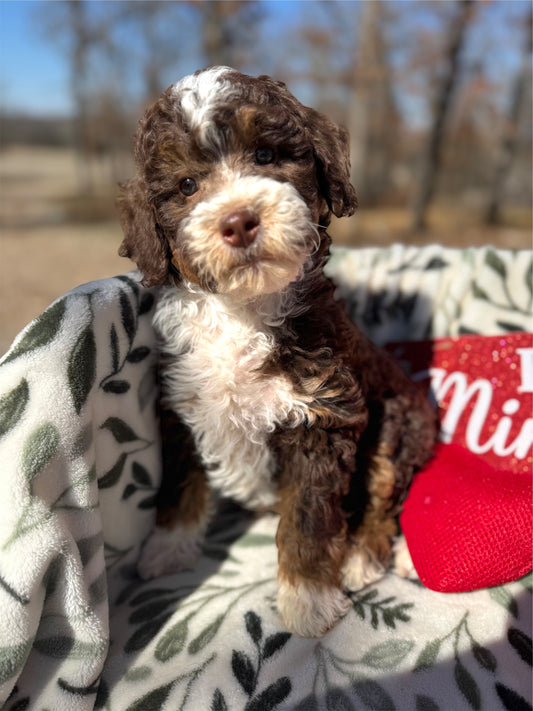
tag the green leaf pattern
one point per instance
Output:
(81, 369)
(84, 479)
(39, 448)
(12, 406)
(54, 445)
(40, 332)
(408, 293)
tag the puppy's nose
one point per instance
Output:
(240, 228)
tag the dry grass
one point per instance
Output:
(42, 255)
(51, 240)
(40, 264)
(452, 227)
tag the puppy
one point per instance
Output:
(270, 394)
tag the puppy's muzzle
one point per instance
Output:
(240, 228)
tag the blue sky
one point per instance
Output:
(34, 73)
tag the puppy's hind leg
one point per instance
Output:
(403, 563)
(183, 506)
(406, 437)
(369, 546)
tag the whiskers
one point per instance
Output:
(315, 239)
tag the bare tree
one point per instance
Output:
(372, 114)
(509, 141)
(156, 26)
(227, 31)
(351, 81)
(78, 81)
(431, 160)
(70, 26)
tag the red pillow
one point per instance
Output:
(467, 524)
(468, 517)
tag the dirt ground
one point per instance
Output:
(49, 244)
(43, 254)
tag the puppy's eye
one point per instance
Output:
(188, 186)
(264, 156)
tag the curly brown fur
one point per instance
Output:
(288, 404)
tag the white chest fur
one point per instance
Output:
(213, 381)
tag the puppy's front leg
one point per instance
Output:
(183, 505)
(311, 536)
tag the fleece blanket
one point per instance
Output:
(79, 457)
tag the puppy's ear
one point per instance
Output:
(144, 241)
(332, 151)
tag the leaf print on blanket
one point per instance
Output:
(430, 653)
(12, 659)
(511, 700)
(373, 695)
(143, 303)
(12, 406)
(522, 644)
(38, 452)
(506, 301)
(144, 299)
(155, 699)
(78, 691)
(383, 610)
(81, 368)
(142, 481)
(120, 430)
(111, 383)
(356, 688)
(247, 670)
(156, 606)
(387, 655)
(132, 303)
(127, 316)
(123, 434)
(22, 599)
(111, 477)
(433, 263)
(471, 688)
(82, 442)
(41, 332)
(503, 596)
(40, 447)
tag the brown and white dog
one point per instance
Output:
(280, 401)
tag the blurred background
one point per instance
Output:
(437, 97)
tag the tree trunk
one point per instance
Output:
(216, 44)
(371, 110)
(79, 74)
(431, 161)
(508, 145)
(359, 108)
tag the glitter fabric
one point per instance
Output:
(484, 389)
(467, 518)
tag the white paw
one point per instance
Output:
(361, 569)
(169, 551)
(403, 564)
(310, 610)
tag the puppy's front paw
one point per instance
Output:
(403, 564)
(309, 609)
(169, 551)
(361, 568)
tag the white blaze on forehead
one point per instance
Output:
(199, 93)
